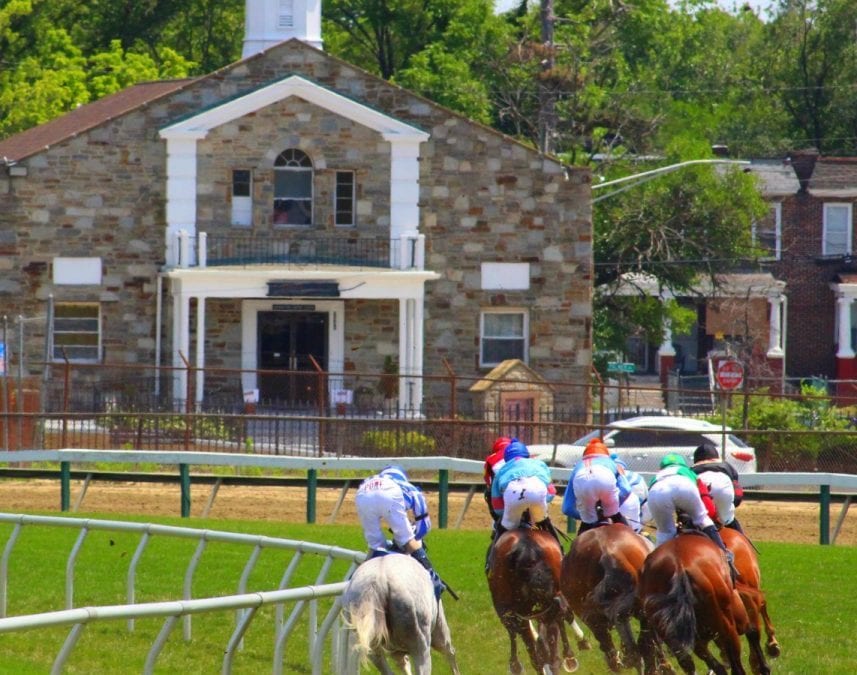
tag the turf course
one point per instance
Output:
(809, 588)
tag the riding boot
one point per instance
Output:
(585, 526)
(735, 525)
(421, 557)
(548, 526)
(714, 535)
(495, 535)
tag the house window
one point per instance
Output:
(242, 197)
(77, 332)
(293, 188)
(767, 233)
(502, 335)
(836, 238)
(344, 205)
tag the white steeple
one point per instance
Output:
(269, 22)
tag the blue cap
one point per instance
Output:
(514, 450)
(395, 472)
(619, 460)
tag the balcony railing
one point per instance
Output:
(287, 250)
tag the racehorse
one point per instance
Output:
(524, 580)
(599, 580)
(390, 604)
(687, 599)
(749, 586)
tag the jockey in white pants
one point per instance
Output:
(721, 480)
(595, 480)
(386, 498)
(635, 508)
(522, 484)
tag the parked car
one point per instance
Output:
(643, 441)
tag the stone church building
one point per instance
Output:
(289, 210)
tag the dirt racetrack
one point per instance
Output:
(763, 520)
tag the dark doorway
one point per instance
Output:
(286, 342)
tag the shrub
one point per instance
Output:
(410, 443)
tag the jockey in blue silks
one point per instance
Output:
(595, 480)
(387, 497)
(634, 508)
(522, 484)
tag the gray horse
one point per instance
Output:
(390, 605)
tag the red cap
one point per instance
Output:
(596, 447)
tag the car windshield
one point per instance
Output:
(585, 440)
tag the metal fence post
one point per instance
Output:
(65, 486)
(443, 497)
(824, 514)
(311, 488)
(184, 479)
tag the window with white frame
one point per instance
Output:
(293, 174)
(836, 237)
(76, 334)
(767, 233)
(344, 198)
(242, 197)
(502, 335)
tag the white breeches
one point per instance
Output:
(522, 494)
(672, 494)
(593, 484)
(383, 505)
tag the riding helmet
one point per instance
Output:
(514, 450)
(596, 447)
(705, 451)
(672, 459)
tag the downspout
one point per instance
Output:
(159, 288)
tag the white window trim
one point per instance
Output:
(242, 206)
(778, 233)
(525, 357)
(353, 198)
(59, 359)
(850, 227)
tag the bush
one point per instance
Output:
(395, 443)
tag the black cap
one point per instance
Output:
(705, 451)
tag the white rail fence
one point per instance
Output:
(305, 598)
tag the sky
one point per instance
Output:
(761, 7)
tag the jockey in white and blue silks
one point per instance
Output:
(635, 508)
(595, 480)
(386, 498)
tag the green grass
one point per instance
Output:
(807, 588)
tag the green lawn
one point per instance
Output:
(807, 589)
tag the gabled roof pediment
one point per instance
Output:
(199, 124)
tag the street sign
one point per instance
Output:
(730, 374)
(616, 367)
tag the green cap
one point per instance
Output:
(673, 459)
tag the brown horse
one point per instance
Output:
(524, 581)
(749, 586)
(687, 599)
(599, 580)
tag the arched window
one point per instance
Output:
(293, 188)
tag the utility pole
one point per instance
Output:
(547, 96)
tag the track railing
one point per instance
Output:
(246, 604)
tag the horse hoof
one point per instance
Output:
(516, 668)
(570, 664)
(583, 645)
(773, 649)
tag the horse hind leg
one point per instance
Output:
(441, 640)
(380, 662)
(772, 646)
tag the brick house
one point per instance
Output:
(290, 206)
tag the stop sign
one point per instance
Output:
(730, 374)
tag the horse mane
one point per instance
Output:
(672, 613)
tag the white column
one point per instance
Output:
(200, 348)
(775, 336)
(666, 348)
(181, 342)
(846, 350)
(411, 336)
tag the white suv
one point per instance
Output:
(643, 441)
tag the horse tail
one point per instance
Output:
(529, 556)
(615, 592)
(671, 614)
(368, 620)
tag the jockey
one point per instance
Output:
(676, 488)
(720, 478)
(493, 463)
(522, 483)
(635, 508)
(387, 497)
(595, 478)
